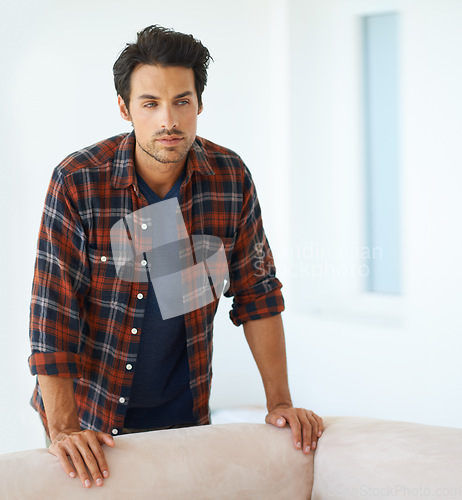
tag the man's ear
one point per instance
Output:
(201, 108)
(124, 113)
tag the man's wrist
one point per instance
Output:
(66, 430)
(276, 403)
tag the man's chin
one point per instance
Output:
(172, 158)
(166, 154)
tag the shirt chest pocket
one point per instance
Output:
(101, 264)
(107, 287)
(109, 272)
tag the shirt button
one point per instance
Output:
(121, 400)
(103, 258)
(134, 331)
(128, 366)
(143, 262)
(140, 295)
(144, 226)
(115, 431)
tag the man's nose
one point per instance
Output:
(168, 119)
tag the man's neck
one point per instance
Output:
(160, 177)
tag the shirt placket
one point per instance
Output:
(138, 296)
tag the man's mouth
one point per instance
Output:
(170, 140)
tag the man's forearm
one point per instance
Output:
(267, 343)
(59, 402)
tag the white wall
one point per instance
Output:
(347, 354)
(366, 354)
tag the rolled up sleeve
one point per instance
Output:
(253, 284)
(61, 280)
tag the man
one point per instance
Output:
(106, 359)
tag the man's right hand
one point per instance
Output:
(84, 449)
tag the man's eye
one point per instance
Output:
(150, 105)
(183, 102)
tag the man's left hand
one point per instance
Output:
(306, 426)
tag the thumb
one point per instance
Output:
(276, 420)
(106, 439)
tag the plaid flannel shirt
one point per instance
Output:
(85, 322)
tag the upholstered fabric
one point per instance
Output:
(219, 462)
(372, 458)
(355, 458)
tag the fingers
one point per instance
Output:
(66, 447)
(306, 426)
(102, 438)
(85, 453)
(301, 430)
(97, 459)
(61, 454)
(312, 429)
(307, 433)
(313, 436)
(81, 460)
(320, 424)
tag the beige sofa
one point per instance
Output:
(356, 458)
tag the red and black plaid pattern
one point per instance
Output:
(85, 322)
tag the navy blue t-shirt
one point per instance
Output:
(160, 394)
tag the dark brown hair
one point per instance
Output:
(164, 47)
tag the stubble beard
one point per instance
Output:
(163, 154)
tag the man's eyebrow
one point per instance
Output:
(179, 96)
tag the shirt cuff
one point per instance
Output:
(62, 364)
(270, 304)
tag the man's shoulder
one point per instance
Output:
(99, 154)
(225, 161)
(215, 151)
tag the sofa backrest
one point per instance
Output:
(359, 457)
(219, 462)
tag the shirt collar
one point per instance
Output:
(123, 166)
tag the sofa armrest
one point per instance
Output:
(224, 461)
(360, 457)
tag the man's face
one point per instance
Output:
(163, 109)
